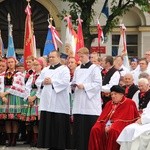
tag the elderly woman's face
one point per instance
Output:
(116, 97)
(143, 87)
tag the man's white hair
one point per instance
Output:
(143, 80)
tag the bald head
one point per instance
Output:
(129, 75)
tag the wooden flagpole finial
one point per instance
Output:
(67, 17)
(8, 17)
(28, 2)
(122, 26)
(49, 19)
(79, 17)
(79, 14)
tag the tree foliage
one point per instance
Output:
(117, 8)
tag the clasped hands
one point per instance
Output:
(47, 81)
(79, 86)
(3, 97)
(31, 100)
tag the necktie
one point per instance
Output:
(142, 94)
(126, 91)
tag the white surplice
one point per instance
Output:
(87, 101)
(124, 70)
(136, 136)
(114, 80)
(55, 97)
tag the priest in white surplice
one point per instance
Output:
(143, 68)
(54, 104)
(87, 82)
(137, 135)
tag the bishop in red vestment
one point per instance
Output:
(117, 114)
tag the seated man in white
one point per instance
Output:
(136, 136)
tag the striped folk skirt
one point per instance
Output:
(31, 113)
(12, 110)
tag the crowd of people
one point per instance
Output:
(85, 103)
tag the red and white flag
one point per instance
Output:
(122, 50)
(55, 36)
(122, 42)
(71, 37)
(100, 33)
(28, 37)
(80, 39)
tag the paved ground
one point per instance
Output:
(20, 146)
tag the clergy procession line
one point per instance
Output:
(95, 103)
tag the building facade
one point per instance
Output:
(136, 22)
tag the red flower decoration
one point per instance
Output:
(33, 118)
(18, 116)
(10, 116)
(17, 82)
(13, 87)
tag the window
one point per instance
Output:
(132, 44)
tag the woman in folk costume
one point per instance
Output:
(72, 64)
(26, 130)
(11, 97)
(30, 112)
(30, 70)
